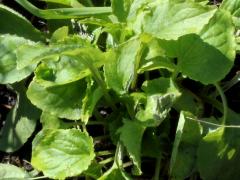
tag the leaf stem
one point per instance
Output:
(104, 153)
(98, 138)
(64, 13)
(40, 177)
(224, 102)
(101, 83)
(106, 161)
(157, 168)
(213, 124)
(90, 3)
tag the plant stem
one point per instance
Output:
(101, 83)
(127, 164)
(104, 153)
(106, 161)
(157, 168)
(137, 63)
(99, 117)
(98, 138)
(41, 177)
(90, 3)
(224, 102)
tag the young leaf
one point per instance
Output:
(20, 122)
(8, 60)
(11, 172)
(62, 153)
(167, 19)
(185, 146)
(62, 101)
(13, 23)
(60, 34)
(135, 130)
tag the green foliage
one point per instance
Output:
(124, 71)
(73, 149)
(10, 172)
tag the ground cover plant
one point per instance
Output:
(127, 89)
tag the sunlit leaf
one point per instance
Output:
(62, 153)
(8, 59)
(63, 101)
(167, 19)
(11, 172)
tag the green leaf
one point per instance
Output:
(219, 149)
(208, 60)
(62, 101)
(161, 95)
(160, 86)
(11, 172)
(131, 136)
(60, 34)
(8, 60)
(221, 28)
(154, 57)
(62, 153)
(72, 3)
(156, 109)
(188, 102)
(33, 54)
(93, 95)
(168, 19)
(121, 69)
(20, 122)
(183, 159)
(202, 62)
(151, 144)
(114, 173)
(13, 23)
(50, 121)
(70, 67)
(231, 5)
(94, 170)
(121, 8)
(65, 13)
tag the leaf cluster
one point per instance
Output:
(124, 70)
